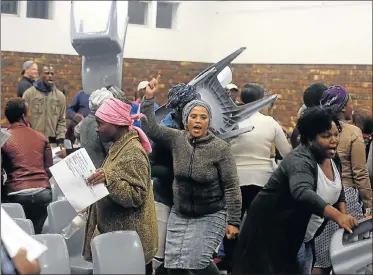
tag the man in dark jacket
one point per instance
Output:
(29, 74)
(76, 112)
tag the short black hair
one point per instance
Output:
(251, 92)
(312, 95)
(15, 109)
(314, 121)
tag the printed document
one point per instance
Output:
(71, 174)
(15, 238)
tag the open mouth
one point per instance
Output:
(332, 150)
(197, 127)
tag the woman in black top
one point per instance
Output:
(277, 220)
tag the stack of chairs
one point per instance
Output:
(110, 251)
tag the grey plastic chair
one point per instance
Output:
(225, 113)
(352, 253)
(26, 225)
(14, 210)
(118, 252)
(102, 52)
(57, 193)
(60, 214)
(56, 259)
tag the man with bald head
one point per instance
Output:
(29, 75)
(48, 107)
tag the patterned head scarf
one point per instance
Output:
(117, 93)
(189, 107)
(98, 97)
(180, 95)
(335, 97)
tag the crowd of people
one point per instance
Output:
(264, 202)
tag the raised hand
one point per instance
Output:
(152, 87)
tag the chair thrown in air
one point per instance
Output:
(14, 210)
(26, 225)
(60, 214)
(225, 113)
(352, 253)
(102, 51)
(118, 252)
(56, 259)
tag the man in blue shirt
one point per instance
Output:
(76, 112)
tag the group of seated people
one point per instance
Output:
(198, 203)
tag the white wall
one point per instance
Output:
(296, 32)
(185, 43)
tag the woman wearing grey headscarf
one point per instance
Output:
(207, 199)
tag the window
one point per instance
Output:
(138, 12)
(9, 7)
(165, 14)
(38, 9)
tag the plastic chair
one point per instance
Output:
(352, 253)
(14, 210)
(56, 259)
(118, 252)
(26, 225)
(60, 214)
(57, 193)
(225, 113)
(102, 51)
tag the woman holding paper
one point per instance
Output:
(126, 174)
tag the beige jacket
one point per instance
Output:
(351, 150)
(48, 112)
(130, 203)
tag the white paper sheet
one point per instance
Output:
(71, 174)
(225, 77)
(3, 137)
(15, 238)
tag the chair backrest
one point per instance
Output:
(14, 210)
(60, 214)
(57, 193)
(352, 253)
(118, 252)
(56, 259)
(26, 225)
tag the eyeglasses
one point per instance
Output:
(49, 73)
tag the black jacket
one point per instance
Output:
(162, 173)
(277, 220)
(23, 85)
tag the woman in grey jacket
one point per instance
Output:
(207, 199)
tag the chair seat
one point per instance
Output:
(80, 266)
